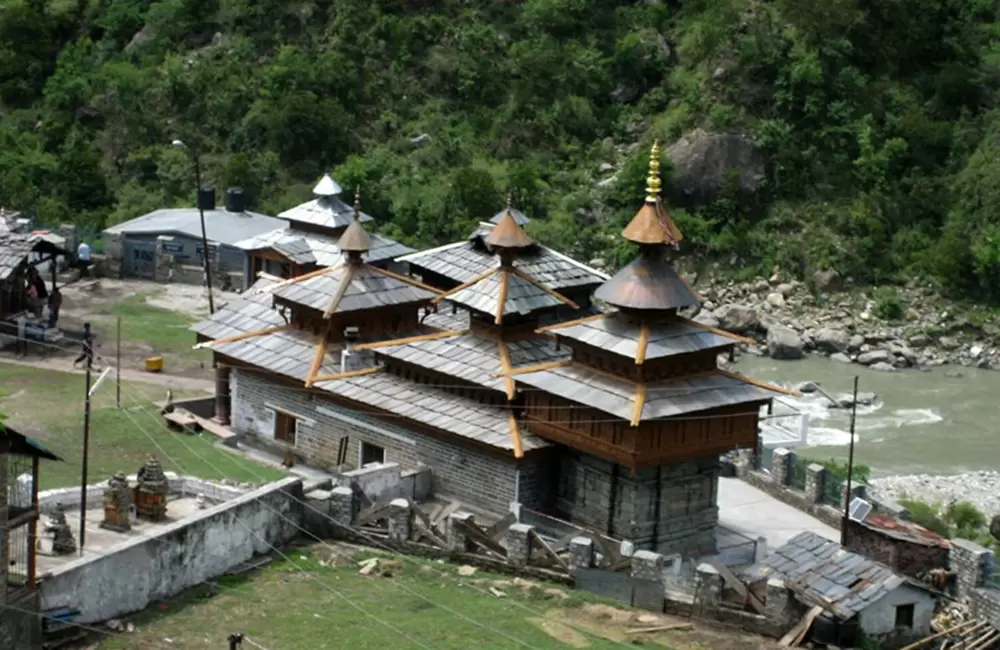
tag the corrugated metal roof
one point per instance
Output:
(324, 249)
(664, 399)
(463, 261)
(367, 289)
(906, 531)
(523, 297)
(433, 407)
(324, 211)
(16, 248)
(823, 572)
(620, 335)
(221, 226)
(472, 357)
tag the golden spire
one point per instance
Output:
(653, 179)
(357, 202)
(355, 240)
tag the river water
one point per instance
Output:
(920, 423)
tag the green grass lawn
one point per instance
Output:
(48, 406)
(283, 608)
(166, 332)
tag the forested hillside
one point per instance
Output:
(873, 122)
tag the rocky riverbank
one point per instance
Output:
(788, 319)
(982, 489)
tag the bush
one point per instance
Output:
(888, 304)
(959, 519)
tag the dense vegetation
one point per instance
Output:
(877, 117)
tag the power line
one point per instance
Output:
(381, 545)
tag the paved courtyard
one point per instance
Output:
(754, 513)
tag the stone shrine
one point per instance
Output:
(150, 493)
(62, 537)
(117, 504)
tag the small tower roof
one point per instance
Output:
(652, 224)
(327, 187)
(519, 216)
(355, 239)
(508, 232)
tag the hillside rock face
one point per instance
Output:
(702, 162)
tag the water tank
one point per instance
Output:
(236, 199)
(206, 198)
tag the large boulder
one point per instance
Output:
(995, 527)
(831, 340)
(703, 161)
(784, 343)
(875, 356)
(827, 281)
(737, 318)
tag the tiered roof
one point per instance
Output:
(317, 228)
(645, 328)
(467, 261)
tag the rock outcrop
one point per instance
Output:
(703, 163)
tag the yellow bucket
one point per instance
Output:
(154, 364)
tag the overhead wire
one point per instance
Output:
(381, 545)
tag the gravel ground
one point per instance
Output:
(980, 488)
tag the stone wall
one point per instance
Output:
(684, 521)
(977, 579)
(144, 569)
(478, 477)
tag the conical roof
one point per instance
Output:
(355, 239)
(327, 187)
(519, 216)
(648, 283)
(652, 225)
(508, 234)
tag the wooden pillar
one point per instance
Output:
(223, 404)
(33, 526)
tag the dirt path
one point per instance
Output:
(65, 364)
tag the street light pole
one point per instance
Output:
(201, 211)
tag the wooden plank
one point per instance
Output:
(345, 282)
(425, 531)
(241, 337)
(716, 330)
(800, 629)
(318, 359)
(760, 384)
(571, 323)
(642, 345)
(377, 511)
(502, 297)
(506, 369)
(466, 285)
(448, 511)
(478, 537)
(500, 527)
(515, 434)
(736, 584)
(406, 279)
(548, 550)
(640, 402)
(433, 336)
(564, 541)
(555, 294)
(952, 630)
(660, 628)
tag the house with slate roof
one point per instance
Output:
(516, 394)
(312, 238)
(850, 588)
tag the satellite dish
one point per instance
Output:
(859, 509)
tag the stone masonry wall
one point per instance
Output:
(977, 579)
(474, 476)
(688, 513)
(907, 558)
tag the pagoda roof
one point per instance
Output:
(505, 290)
(323, 250)
(327, 210)
(648, 283)
(466, 260)
(641, 339)
(353, 287)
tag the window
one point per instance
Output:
(285, 427)
(904, 615)
(371, 454)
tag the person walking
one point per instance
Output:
(55, 304)
(88, 348)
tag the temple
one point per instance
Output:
(312, 239)
(545, 384)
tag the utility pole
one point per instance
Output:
(179, 144)
(850, 467)
(118, 366)
(86, 453)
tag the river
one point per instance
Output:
(920, 423)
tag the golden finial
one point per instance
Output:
(653, 180)
(357, 203)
